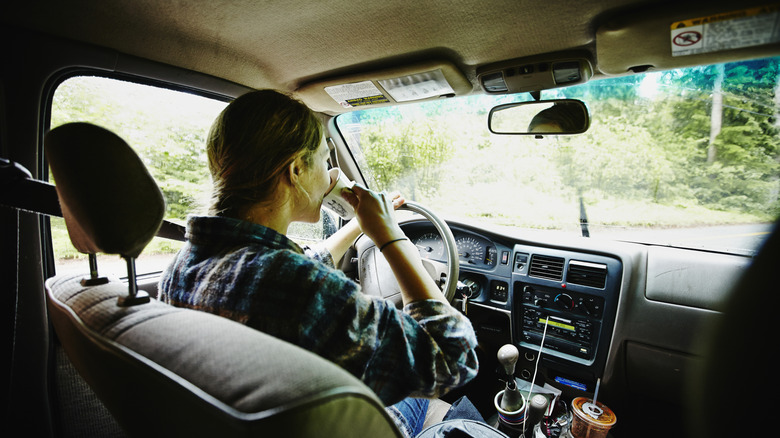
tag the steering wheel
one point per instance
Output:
(376, 277)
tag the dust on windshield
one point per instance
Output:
(687, 158)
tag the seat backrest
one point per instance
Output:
(728, 389)
(166, 371)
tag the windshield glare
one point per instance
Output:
(687, 158)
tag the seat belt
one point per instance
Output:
(22, 192)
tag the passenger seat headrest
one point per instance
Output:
(110, 202)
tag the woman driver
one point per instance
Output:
(268, 162)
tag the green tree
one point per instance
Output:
(166, 128)
(407, 156)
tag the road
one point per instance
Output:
(739, 239)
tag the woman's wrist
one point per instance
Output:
(383, 234)
(338, 243)
(390, 242)
(414, 280)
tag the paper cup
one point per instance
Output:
(333, 200)
(589, 420)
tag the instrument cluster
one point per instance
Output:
(472, 249)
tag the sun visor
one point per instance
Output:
(660, 39)
(430, 80)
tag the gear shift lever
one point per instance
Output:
(507, 357)
(512, 400)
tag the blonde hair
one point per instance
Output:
(251, 144)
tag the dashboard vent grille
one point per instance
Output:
(587, 274)
(546, 267)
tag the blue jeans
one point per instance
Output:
(412, 414)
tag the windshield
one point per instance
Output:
(686, 158)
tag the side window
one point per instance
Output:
(167, 129)
(306, 234)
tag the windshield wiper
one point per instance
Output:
(583, 219)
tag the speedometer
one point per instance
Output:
(430, 246)
(470, 250)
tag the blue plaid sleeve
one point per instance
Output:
(320, 253)
(425, 350)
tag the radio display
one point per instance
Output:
(557, 324)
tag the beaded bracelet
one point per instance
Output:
(381, 248)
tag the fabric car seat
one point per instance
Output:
(729, 392)
(167, 371)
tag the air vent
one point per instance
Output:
(547, 267)
(587, 274)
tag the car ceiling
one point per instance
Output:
(287, 44)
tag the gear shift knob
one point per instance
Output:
(507, 357)
(536, 409)
(509, 402)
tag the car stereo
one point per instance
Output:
(563, 307)
(572, 320)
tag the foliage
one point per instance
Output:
(648, 144)
(407, 155)
(166, 128)
(744, 175)
(647, 160)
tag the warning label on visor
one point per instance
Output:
(356, 94)
(730, 30)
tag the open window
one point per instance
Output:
(168, 130)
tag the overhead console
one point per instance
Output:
(535, 73)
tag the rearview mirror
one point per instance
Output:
(548, 117)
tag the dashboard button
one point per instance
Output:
(564, 301)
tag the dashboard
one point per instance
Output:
(581, 311)
(550, 302)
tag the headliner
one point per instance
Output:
(287, 44)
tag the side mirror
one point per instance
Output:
(544, 117)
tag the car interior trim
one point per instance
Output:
(316, 94)
(695, 279)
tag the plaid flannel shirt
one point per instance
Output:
(256, 276)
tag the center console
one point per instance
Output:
(567, 301)
(557, 306)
